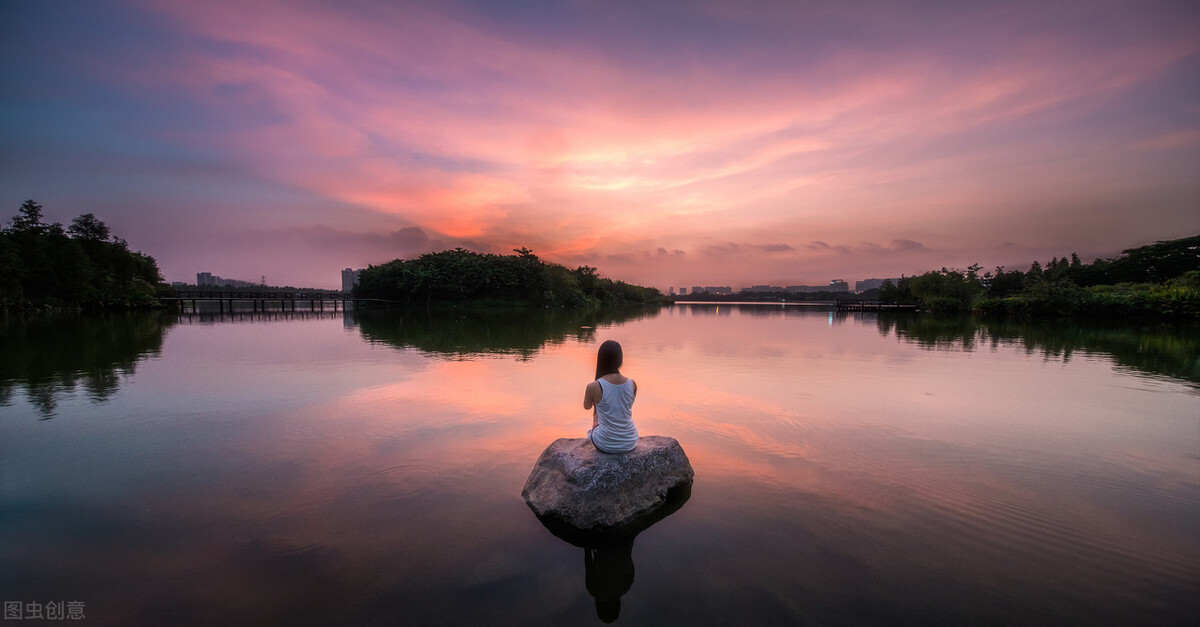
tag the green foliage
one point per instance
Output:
(1174, 300)
(945, 290)
(459, 275)
(1156, 263)
(1161, 280)
(43, 266)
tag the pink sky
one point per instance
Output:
(668, 144)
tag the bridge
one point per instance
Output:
(259, 301)
(873, 305)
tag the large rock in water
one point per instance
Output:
(589, 490)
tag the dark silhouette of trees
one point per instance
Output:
(459, 275)
(1157, 280)
(28, 218)
(88, 227)
(44, 266)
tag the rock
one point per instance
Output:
(589, 490)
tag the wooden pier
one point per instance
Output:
(261, 301)
(873, 305)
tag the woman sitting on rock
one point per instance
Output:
(611, 395)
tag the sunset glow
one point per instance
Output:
(667, 144)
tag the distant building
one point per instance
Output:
(350, 279)
(871, 284)
(672, 290)
(761, 288)
(178, 285)
(208, 279)
(683, 291)
(836, 285)
(718, 289)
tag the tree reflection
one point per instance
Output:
(463, 332)
(1158, 349)
(48, 357)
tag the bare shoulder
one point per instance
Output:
(592, 394)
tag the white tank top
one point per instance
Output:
(615, 432)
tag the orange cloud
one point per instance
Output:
(457, 125)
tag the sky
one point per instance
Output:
(664, 143)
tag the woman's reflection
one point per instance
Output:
(608, 554)
(608, 574)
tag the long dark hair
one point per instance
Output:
(608, 358)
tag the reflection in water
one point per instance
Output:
(48, 357)
(463, 332)
(214, 317)
(1168, 350)
(608, 575)
(283, 470)
(608, 555)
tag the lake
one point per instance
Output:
(366, 468)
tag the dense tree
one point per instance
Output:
(42, 265)
(1158, 280)
(1003, 283)
(461, 275)
(1157, 262)
(29, 218)
(88, 227)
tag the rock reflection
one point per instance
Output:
(48, 357)
(608, 570)
(1158, 349)
(464, 332)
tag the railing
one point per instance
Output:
(239, 295)
(259, 300)
(873, 305)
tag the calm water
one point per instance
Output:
(366, 469)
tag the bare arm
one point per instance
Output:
(592, 395)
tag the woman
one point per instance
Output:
(611, 395)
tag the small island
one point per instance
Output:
(461, 276)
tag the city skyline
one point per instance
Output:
(665, 144)
(349, 278)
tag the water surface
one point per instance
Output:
(349, 468)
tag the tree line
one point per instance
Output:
(1160, 280)
(459, 275)
(82, 266)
